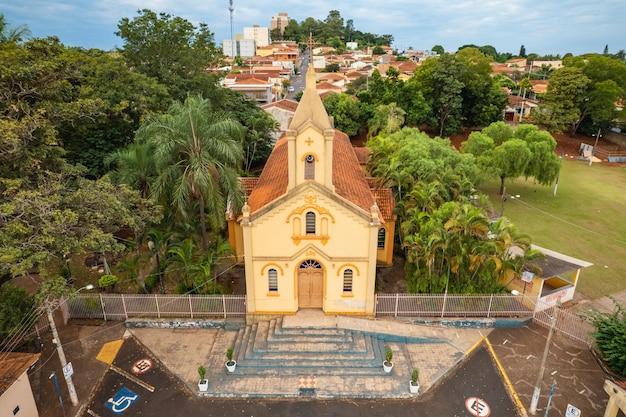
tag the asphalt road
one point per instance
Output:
(128, 390)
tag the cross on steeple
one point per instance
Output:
(310, 44)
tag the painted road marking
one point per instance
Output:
(120, 402)
(109, 351)
(132, 378)
(141, 366)
(477, 407)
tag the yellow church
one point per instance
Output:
(314, 227)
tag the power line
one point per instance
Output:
(621, 242)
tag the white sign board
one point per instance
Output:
(572, 411)
(68, 371)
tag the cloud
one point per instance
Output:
(543, 26)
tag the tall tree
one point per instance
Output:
(522, 51)
(347, 112)
(560, 106)
(607, 85)
(483, 100)
(170, 49)
(126, 98)
(527, 152)
(446, 88)
(198, 154)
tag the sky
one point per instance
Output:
(542, 26)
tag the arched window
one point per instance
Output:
(309, 167)
(310, 223)
(347, 280)
(272, 279)
(382, 233)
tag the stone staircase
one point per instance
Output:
(271, 349)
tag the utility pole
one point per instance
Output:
(67, 375)
(67, 371)
(536, 392)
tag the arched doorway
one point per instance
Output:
(310, 284)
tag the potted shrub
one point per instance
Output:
(414, 384)
(388, 364)
(203, 384)
(230, 363)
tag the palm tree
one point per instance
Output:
(198, 153)
(134, 166)
(181, 261)
(12, 35)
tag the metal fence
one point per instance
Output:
(446, 305)
(124, 306)
(567, 323)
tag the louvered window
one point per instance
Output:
(272, 276)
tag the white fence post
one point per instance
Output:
(190, 306)
(489, 308)
(124, 305)
(156, 300)
(395, 313)
(224, 304)
(104, 311)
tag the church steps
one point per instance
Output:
(269, 349)
(314, 334)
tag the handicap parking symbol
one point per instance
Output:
(121, 401)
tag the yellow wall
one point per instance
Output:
(347, 243)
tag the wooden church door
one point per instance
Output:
(310, 284)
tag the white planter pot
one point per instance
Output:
(414, 389)
(203, 385)
(231, 368)
(387, 368)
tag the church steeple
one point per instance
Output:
(310, 138)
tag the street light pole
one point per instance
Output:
(57, 342)
(593, 151)
(546, 350)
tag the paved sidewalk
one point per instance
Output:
(433, 350)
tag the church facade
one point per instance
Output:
(314, 227)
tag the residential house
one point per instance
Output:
(259, 87)
(16, 394)
(312, 230)
(282, 111)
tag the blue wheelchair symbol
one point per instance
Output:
(121, 401)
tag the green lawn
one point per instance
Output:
(586, 220)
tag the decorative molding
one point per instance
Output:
(348, 265)
(269, 265)
(300, 238)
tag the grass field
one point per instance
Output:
(586, 220)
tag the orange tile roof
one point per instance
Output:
(385, 202)
(13, 365)
(272, 183)
(324, 85)
(248, 184)
(287, 104)
(362, 154)
(348, 177)
(332, 77)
